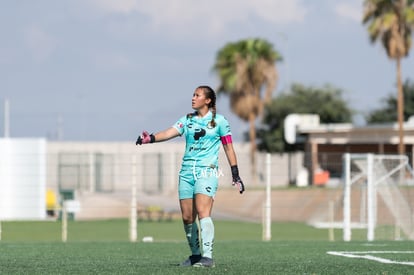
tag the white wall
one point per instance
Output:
(161, 162)
(22, 179)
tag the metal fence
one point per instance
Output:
(112, 180)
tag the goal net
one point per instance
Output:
(378, 196)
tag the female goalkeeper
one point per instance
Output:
(204, 130)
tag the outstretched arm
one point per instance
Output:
(167, 134)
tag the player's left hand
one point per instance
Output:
(239, 183)
(236, 178)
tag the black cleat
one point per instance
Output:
(205, 262)
(191, 260)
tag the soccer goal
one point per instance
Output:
(378, 195)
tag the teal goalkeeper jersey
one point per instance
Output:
(202, 141)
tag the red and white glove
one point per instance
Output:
(145, 138)
(236, 179)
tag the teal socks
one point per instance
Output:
(191, 232)
(207, 236)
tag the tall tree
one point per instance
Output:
(392, 21)
(388, 112)
(248, 75)
(325, 101)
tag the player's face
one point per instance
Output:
(199, 100)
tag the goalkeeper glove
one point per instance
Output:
(236, 178)
(145, 138)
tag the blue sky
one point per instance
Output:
(104, 70)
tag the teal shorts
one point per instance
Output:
(197, 180)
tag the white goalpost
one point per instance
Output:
(267, 210)
(377, 192)
(133, 219)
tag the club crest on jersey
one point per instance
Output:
(180, 125)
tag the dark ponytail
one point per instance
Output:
(211, 94)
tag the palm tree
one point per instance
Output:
(246, 68)
(392, 21)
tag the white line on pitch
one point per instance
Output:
(366, 255)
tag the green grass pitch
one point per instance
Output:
(102, 247)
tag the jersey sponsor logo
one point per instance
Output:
(194, 148)
(199, 133)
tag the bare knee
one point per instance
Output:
(188, 211)
(187, 218)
